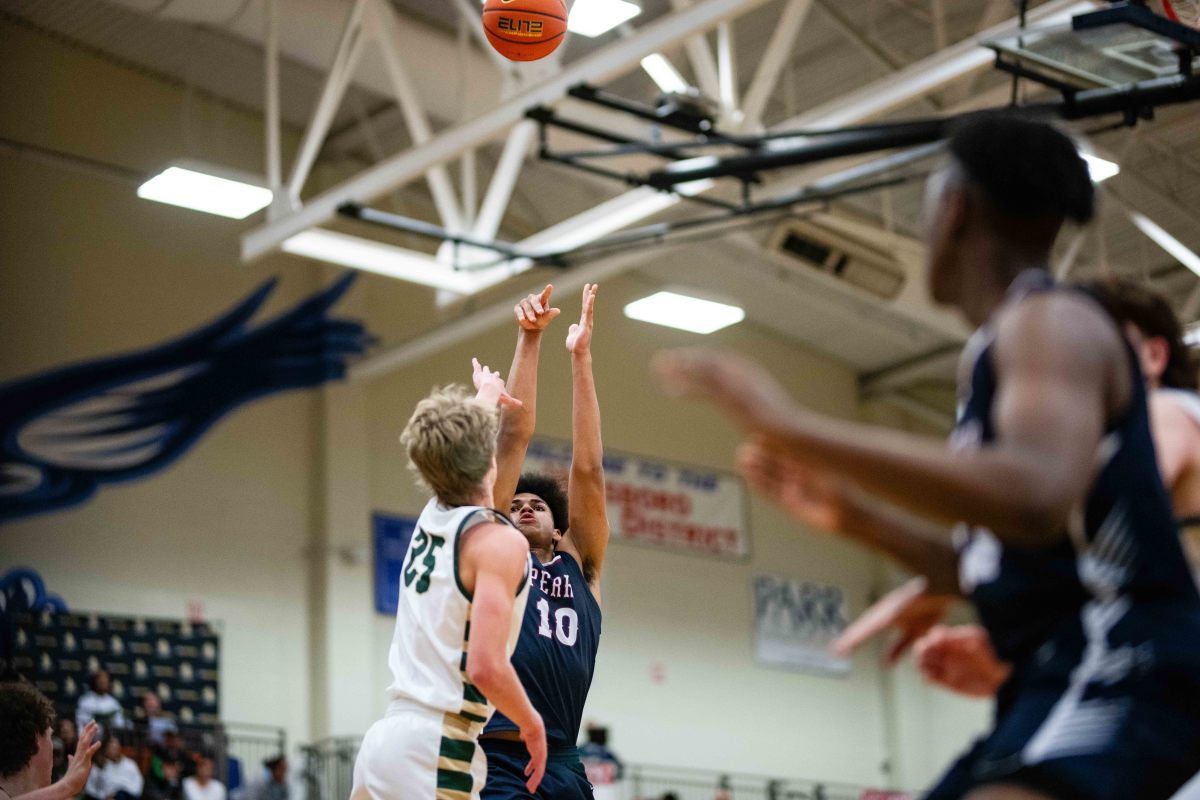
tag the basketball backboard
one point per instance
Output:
(1112, 47)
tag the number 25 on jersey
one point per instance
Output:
(422, 560)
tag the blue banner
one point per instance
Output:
(391, 536)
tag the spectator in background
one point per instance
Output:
(603, 768)
(27, 748)
(65, 741)
(118, 777)
(99, 705)
(275, 785)
(157, 725)
(203, 786)
(168, 768)
(723, 792)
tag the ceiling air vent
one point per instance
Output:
(853, 262)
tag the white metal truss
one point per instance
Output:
(871, 101)
(397, 170)
(774, 59)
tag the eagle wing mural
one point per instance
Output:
(66, 432)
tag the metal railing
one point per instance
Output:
(248, 746)
(327, 767)
(653, 782)
(327, 770)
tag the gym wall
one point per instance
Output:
(266, 521)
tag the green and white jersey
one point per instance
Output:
(428, 656)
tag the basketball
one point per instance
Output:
(525, 30)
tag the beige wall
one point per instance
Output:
(89, 270)
(266, 520)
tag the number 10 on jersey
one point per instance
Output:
(566, 623)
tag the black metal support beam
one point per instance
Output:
(419, 228)
(848, 143)
(683, 122)
(1132, 101)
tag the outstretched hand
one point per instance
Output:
(818, 499)
(741, 388)
(534, 313)
(490, 386)
(579, 337)
(961, 659)
(909, 610)
(79, 765)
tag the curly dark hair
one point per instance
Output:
(25, 714)
(551, 492)
(1130, 302)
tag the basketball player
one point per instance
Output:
(961, 658)
(568, 536)
(27, 749)
(463, 590)
(1066, 543)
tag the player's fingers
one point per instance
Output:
(545, 295)
(507, 399)
(551, 313)
(900, 647)
(519, 310)
(852, 639)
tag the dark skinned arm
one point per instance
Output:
(517, 424)
(587, 535)
(1061, 369)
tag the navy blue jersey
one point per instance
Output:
(1119, 571)
(556, 651)
(1102, 627)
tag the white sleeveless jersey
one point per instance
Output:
(428, 656)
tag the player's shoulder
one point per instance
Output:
(1060, 324)
(1068, 311)
(495, 534)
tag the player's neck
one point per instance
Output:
(544, 555)
(19, 784)
(992, 267)
(482, 499)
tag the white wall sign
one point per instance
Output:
(654, 502)
(795, 622)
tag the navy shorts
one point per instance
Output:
(1137, 738)
(564, 778)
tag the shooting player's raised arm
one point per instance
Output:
(587, 533)
(533, 314)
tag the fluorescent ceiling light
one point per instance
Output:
(1177, 249)
(1101, 169)
(396, 262)
(591, 18)
(663, 72)
(683, 312)
(203, 191)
